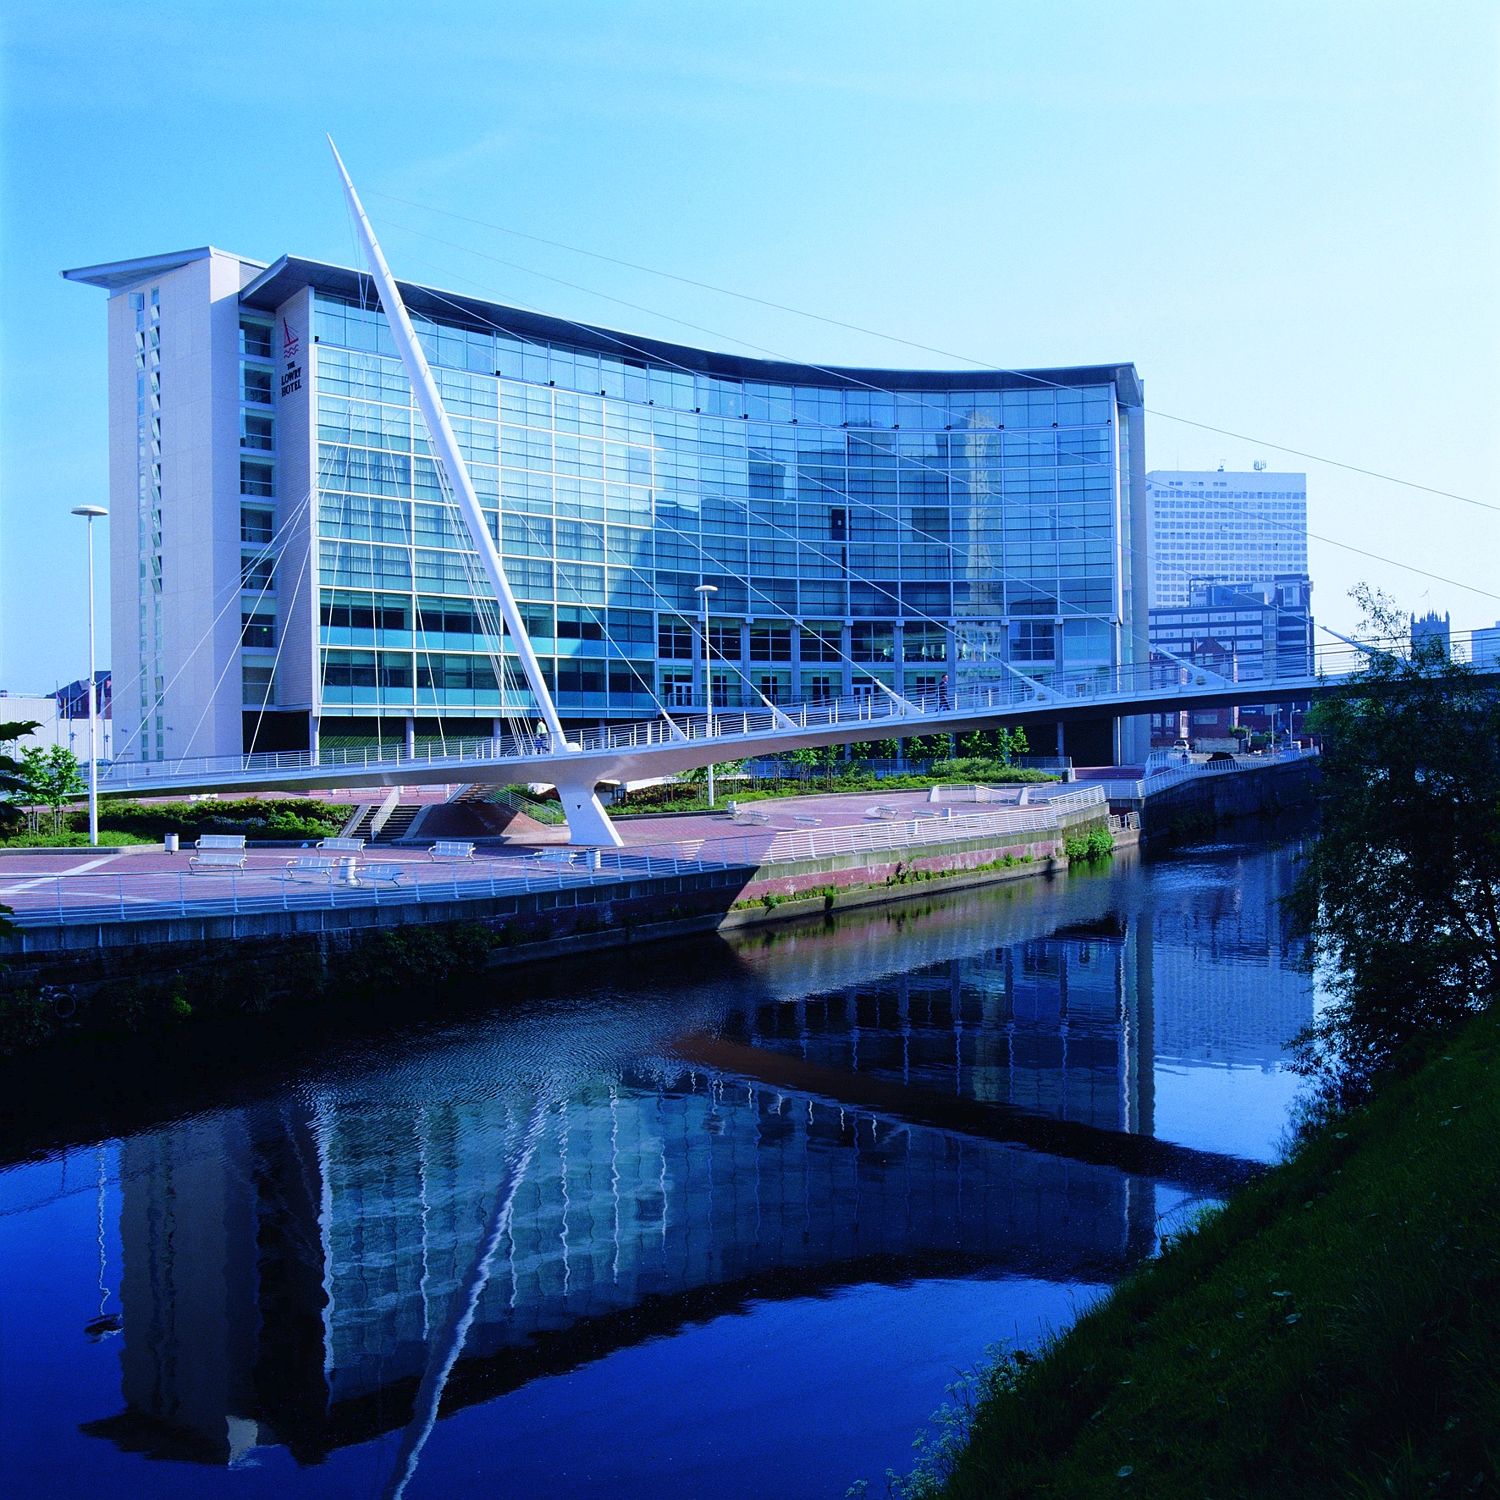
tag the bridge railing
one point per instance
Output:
(1006, 691)
(1162, 775)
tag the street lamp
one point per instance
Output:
(703, 591)
(89, 512)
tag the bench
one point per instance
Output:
(747, 815)
(560, 857)
(450, 849)
(883, 810)
(217, 859)
(341, 846)
(806, 820)
(219, 851)
(310, 867)
(220, 841)
(371, 874)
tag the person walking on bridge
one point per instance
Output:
(943, 694)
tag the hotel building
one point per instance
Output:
(287, 572)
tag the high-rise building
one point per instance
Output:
(1485, 646)
(1208, 526)
(1251, 633)
(287, 571)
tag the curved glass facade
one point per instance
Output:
(855, 524)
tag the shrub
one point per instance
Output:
(1088, 844)
(255, 817)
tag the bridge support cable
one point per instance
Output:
(445, 1350)
(582, 804)
(1031, 375)
(783, 720)
(1034, 685)
(446, 451)
(849, 379)
(272, 548)
(1125, 549)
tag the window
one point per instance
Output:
(822, 643)
(255, 339)
(924, 643)
(578, 624)
(256, 525)
(256, 477)
(258, 629)
(772, 686)
(257, 431)
(1032, 640)
(868, 642)
(674, 640)
(838, 524)
(723, 640)
(259, 684)
(374, 612)
(770, 642)
(256, 385)
(257, 573)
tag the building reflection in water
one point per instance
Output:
(293, 1271)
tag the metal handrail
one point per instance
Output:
(1106, 686)
(79, 898)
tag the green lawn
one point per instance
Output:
(1335, 1331)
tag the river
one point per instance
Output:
(710, 1219)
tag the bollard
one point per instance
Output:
(169, 843)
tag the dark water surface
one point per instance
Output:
(706, 1220)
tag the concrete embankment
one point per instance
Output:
(1194, 809)
(609, 913)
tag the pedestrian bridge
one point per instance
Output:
(666, 746)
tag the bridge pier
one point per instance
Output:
(588, 823)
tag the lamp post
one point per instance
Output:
(703, 591)
(89, 513)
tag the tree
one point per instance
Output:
(1401, 891)
(820, 758)
(51, 778)
(13, 790)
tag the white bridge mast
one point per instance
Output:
(587, 820)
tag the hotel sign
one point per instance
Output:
(291, 370)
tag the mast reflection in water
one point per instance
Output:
(961, 1092)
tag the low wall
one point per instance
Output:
(1194, 808)
(706, 897)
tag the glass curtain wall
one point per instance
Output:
(913, 532)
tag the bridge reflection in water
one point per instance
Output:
(301, 1272)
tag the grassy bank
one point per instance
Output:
(1332, 1332)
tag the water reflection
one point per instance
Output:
(967, 1091)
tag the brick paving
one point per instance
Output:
(145, 874)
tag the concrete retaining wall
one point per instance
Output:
(1194, 807)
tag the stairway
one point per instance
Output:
(401, 818)
(359, 827)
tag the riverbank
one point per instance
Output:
(96, 983)
(1330, 1332)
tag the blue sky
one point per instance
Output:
(1288, 215)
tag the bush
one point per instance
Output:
(255, 817)
(1087, 844)
(71, 839)
(982, 768)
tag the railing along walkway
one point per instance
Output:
(753, 731)
(97, 897)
